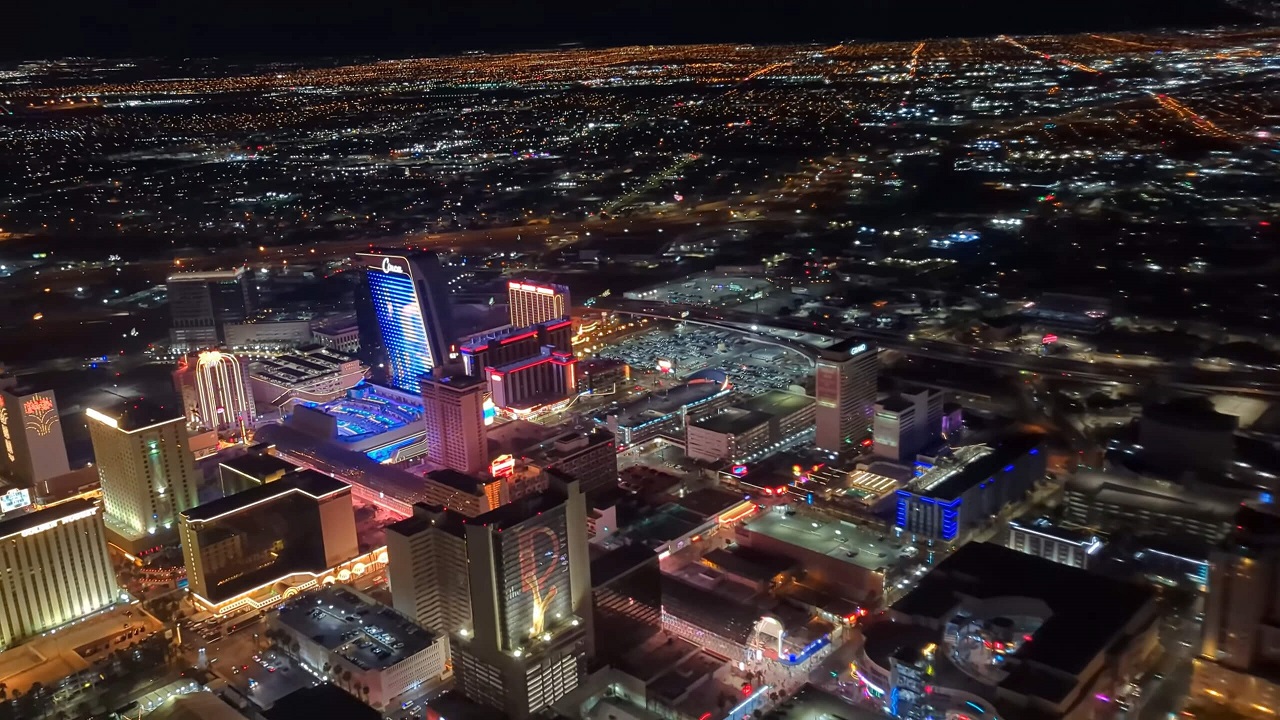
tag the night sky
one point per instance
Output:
(387, 28)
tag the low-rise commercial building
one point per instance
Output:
(993, 632)
(1236, 667)
(602, 376)
(1146, 506)
(858, 561)
(467, 495)
(385, 652)
(751, 429)
(341, 334)
(268, 335)
(1040, 537)
(665, 413)
(315, 375)
(962, 492)
(590, 457)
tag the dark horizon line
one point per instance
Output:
(369, 28)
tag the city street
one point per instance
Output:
(232, 659)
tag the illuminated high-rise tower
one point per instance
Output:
(535, 302)
(31, 445)
(202, 303)
(215, 391)
(1239, 649)
(56, 569)
(146, 468)
(846, 393)
(513, 587)
(404, 316)
(453, 415)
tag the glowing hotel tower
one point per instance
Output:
(31, 445)
(534, 302)
(409, 309)
(148, 473)
(222, 397)
(512, 586)
(56, 569)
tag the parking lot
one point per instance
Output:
(752, 367)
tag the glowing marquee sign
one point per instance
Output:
(42, 527)
(390, 264)
(37, 405)
(502, 466)
(40, 414)
(15, 499)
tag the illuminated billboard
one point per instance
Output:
(534, 558)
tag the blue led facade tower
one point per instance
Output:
(410, 312)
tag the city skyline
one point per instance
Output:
(865, 361)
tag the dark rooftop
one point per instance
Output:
(618, 562)
(709, 502)
(896, 403)
(426, 515)
(259, 465)
(708, 610)
(662, 403)
(516, 512)
(457, 381)
(733, 421)
(367, 634)
(1191, 416)
(308, 481)
(457, 480)
(321, 701)
(985, 467)
(1088, 610)
(135, 414)
(1257, 528)
(777, 402)
(749, 563)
